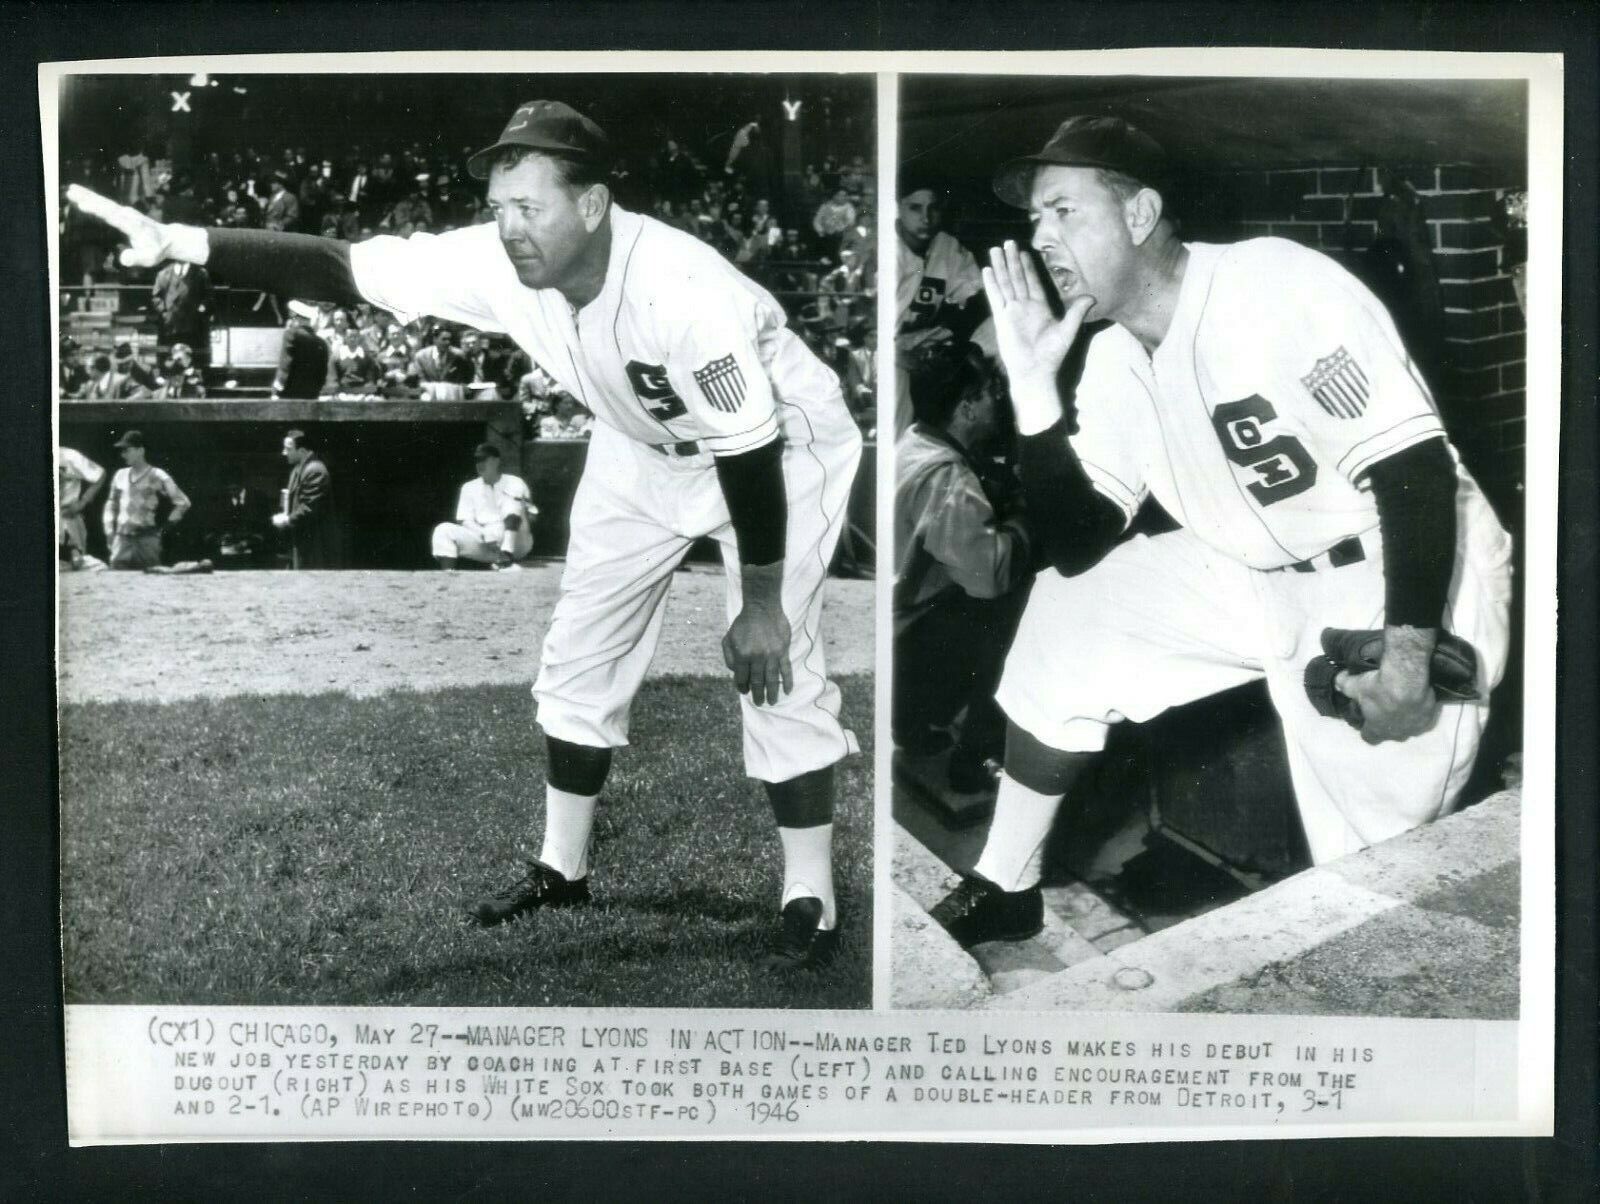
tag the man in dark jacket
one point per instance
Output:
(181, 302)
(308, 514)
(303, 363)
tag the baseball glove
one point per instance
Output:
(1453, 670)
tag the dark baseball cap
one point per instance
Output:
(1108, 142)
(915, 179)
(123, 351)
(484, 450)
(546, 125)
(130, 439)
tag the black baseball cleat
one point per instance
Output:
(979, 911)
(541, 886)
(801, 944)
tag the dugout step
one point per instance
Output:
(1424, 925)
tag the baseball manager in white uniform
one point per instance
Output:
(712, 418)
(1263, 397)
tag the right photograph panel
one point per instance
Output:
(1208, 602)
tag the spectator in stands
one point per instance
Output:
(356, 193)
(181, 302)
(510, 365)
(342, 220)
(105, 383)
(135, 179)
(371, 324)
(861, 238)
(183, 204)
(961, 568)
(74, 373)
(309, 515)
(283, 210)
(856, 178)
(352, 368)
(383, 190)
(494, 518)
(812, 189)
(443, 371)
(236, 213)
(536, 391)
(131, 517)
(303, 362)
(129, 364)
(78, 482)
(833, 217)
(483, 364)
(411, 213)
(676, 176)
(761, 237)
(861, 378)
(792, 250)
(569, 421)
(717, 230)
(315, 191)
(331, 323)
(398, 382)
(180, 377)
(394, 344)
(840, 295)
(452, 207)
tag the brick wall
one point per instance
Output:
(1476, 364)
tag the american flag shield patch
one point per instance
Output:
(723, 383)
(1339, 385)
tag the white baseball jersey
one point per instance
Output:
(75, 473)
(1280, 381)
(679, 346)
(946, 275)
(484, 508)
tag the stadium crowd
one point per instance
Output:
(813, 249)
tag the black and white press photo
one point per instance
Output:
(1211, 571)
(466, 541)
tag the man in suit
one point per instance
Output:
(308, 514)
(282, 211)
(107, 384)
(126, 362)
(303, 362)
(181, 301)
(443, 371)
(484, 362)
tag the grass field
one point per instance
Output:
(319, 850)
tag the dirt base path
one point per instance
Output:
(131, 635)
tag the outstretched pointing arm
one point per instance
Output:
(296, 265)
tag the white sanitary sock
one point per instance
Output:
(568, 820)
(808, 867)
(1013, 855)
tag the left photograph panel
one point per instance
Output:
(466, 538)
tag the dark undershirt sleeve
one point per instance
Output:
(1415, 491)
(1076, 523)
(304, 267)
(752, 485)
